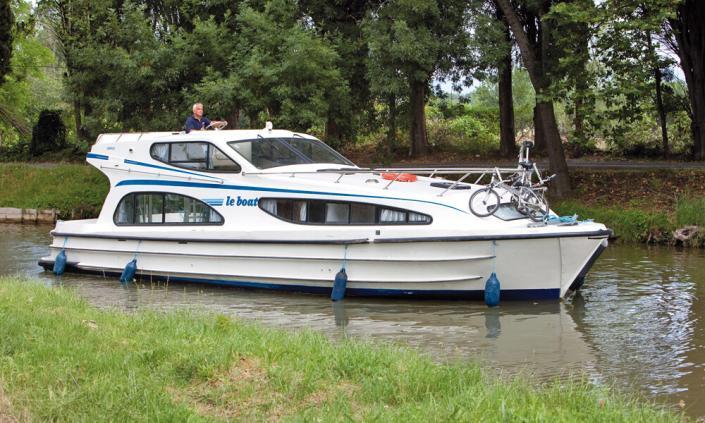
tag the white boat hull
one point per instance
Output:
(536, 268)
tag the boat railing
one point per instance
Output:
(463, 172)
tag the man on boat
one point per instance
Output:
(199, 122)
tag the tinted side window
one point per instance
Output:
(194, 155)
(319, 212)
(149, 208)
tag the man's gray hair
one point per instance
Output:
(193, 109)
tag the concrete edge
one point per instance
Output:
(33, 216)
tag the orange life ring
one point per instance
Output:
(400, 177)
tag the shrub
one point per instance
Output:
(49, 134)
(471, 133)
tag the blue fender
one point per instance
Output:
(129, 273)
(341, 281)
(492, 290)
(60, 263)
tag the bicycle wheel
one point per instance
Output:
(536, 205)
(484, 202)
(519, 204)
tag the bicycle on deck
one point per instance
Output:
(528, 198)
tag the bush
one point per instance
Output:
(49, 134)
(471, 133)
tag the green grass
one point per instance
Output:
(76, 188)
(629, 224)
(634, 224)
(690, 211)
(63, 360)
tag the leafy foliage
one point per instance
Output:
(346, 70)
(6, 19)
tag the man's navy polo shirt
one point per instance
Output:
(194, 124)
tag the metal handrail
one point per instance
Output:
(421, 171)
(464, 171)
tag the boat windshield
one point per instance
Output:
(266, 153)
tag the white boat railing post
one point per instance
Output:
(455, 184)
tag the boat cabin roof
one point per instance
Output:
(251, 150)
(223, 135)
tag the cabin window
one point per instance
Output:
(320, 212)
(151, 208)
(189, 154)
(194, 155)
(265, 153)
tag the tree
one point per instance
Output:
(573, 25)
(6, 24)
(627, 47)
(507, 132)
(492, 60)
(288, 73)
(411, 41)
(532, 34)
(29, 86)
(689, 34)
(339, 22)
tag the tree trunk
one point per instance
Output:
(234, 119)
(507, 132)
(659, 98)
(419, 139)
(539, 135)
(580, 138)
(77, 119)
(556, 155)
(662, 115)
(253, 117)
(535, 66)
(332, 133)
(690, 38)
(391, 127)
(578, 120)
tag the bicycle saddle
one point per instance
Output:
(527, 144)
(527, 165)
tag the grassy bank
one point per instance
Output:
(61, 359)
(640, 205)
(76, 190)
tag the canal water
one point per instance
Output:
(638, 324)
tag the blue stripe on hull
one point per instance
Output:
(97, 156)
(514, 294)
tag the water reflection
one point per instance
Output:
(637, 323)
(641, 311)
